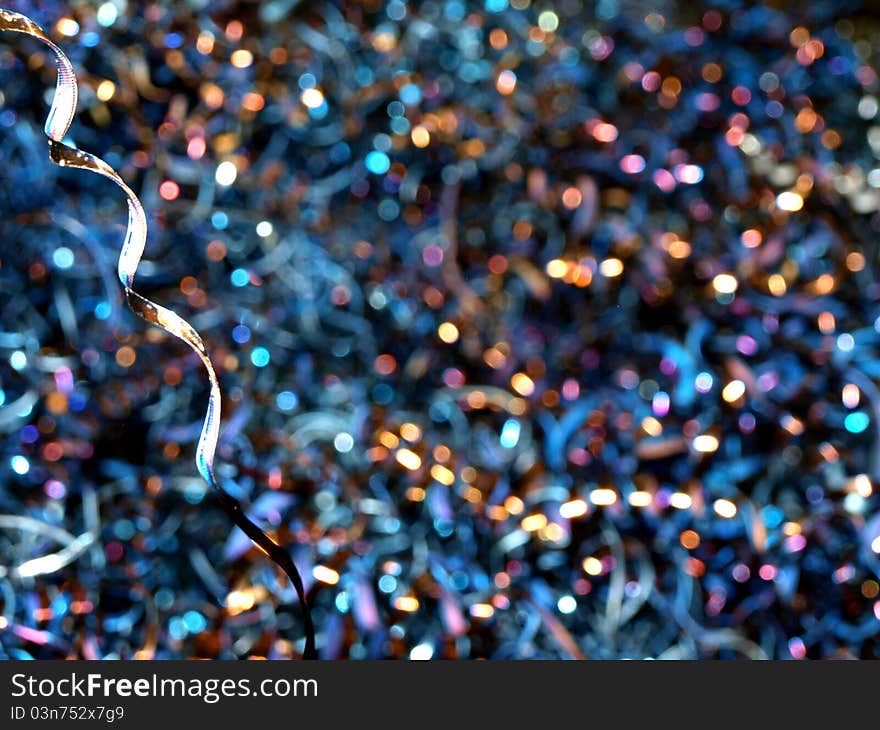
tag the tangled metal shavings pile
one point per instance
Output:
(544, 330)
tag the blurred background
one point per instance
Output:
(545, 329)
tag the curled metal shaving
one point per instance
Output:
(58, 123)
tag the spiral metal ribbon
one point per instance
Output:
(58, 123)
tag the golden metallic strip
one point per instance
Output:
(57, 125)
